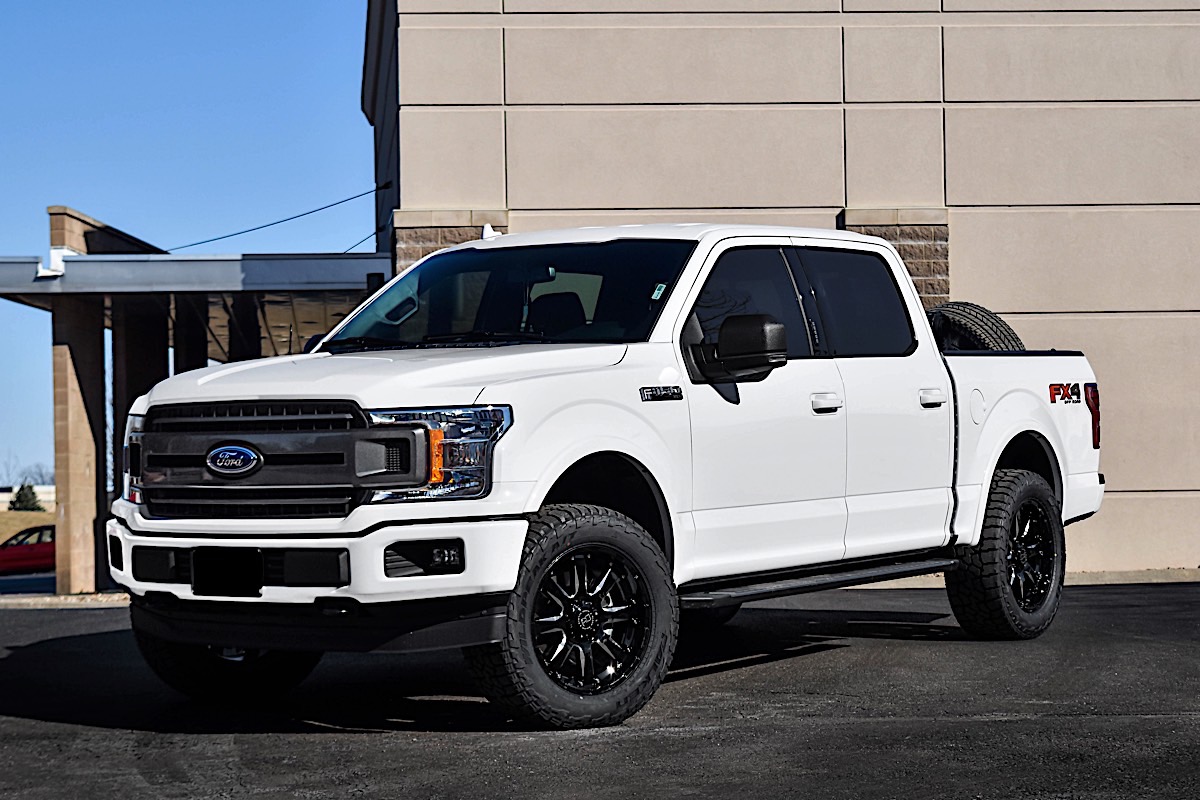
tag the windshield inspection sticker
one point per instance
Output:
(658, 291)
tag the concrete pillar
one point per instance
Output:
(191, 332)
(77, 330)
(245, 332)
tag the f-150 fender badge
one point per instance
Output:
(652, 393)
(1066, 392)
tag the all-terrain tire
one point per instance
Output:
(521, 673)
(994, 592)
(959, 325)
(215, 674)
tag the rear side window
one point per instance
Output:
(752, 280)
(862, 311)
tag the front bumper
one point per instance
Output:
(492, 549)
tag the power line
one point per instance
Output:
(280, 221)
(360, 241)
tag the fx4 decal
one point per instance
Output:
(1067, 392)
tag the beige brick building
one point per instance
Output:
(1041, 157)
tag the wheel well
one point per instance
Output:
(1032, 452)
(616, 481)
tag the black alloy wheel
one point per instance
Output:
(1031, 556)
(589, 619)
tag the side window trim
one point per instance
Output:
(914, 341)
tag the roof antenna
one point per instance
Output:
(489, 232)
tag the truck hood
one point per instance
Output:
(446, 376)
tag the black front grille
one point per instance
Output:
(256, 417)
(318, 458)
(226, 502)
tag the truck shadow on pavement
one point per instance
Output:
(99, 679)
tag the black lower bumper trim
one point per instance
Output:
(330, 624)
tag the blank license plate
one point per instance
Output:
(227, 571)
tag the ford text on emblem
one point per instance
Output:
(233, 460)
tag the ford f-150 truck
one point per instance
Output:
(549, 449)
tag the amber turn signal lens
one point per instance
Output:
(435, 455)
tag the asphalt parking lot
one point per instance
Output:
(855, 694)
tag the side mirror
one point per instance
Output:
(748, 347)
(313, 341)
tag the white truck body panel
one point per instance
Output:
(764, 484)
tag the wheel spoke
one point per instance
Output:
(559, 651)
(601, 583)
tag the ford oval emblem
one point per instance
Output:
(233, 460)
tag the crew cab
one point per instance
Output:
(548, 449)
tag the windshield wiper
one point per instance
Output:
(361, 343)
(486, 336)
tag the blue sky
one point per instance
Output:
(175, 122)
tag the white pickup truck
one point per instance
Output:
(548, 449)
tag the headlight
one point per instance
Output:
(134, 424)
(460, 442)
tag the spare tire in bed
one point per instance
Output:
(967, 326)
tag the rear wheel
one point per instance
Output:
(1008, 586)
(591, 624)
(959, 325)
(208, 672)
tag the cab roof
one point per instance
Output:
(695, 231)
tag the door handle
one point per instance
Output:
(826, 402)
(932, 398)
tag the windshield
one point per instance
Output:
(594, 292)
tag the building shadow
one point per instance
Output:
(99, 679)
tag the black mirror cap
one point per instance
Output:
(311, 343)
(748, 347)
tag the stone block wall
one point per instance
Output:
(416, 234)
(920, 236)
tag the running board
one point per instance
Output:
(732, 595)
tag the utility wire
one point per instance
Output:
(360, 241)
(281, 221)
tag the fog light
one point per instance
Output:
(430, 557)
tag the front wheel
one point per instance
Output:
(591, 625)
(211, 673)
(1008, 586)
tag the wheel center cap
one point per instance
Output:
(587, 620)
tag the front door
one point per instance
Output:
(769, 456)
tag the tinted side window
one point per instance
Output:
(862, 311)
(752, 280)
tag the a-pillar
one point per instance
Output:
(77, 330)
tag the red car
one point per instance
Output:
(31, 550)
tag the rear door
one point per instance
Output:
(769, 456)
(899, 437)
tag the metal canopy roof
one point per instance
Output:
(120, 274)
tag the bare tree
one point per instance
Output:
(38, 475)
(10, 469)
